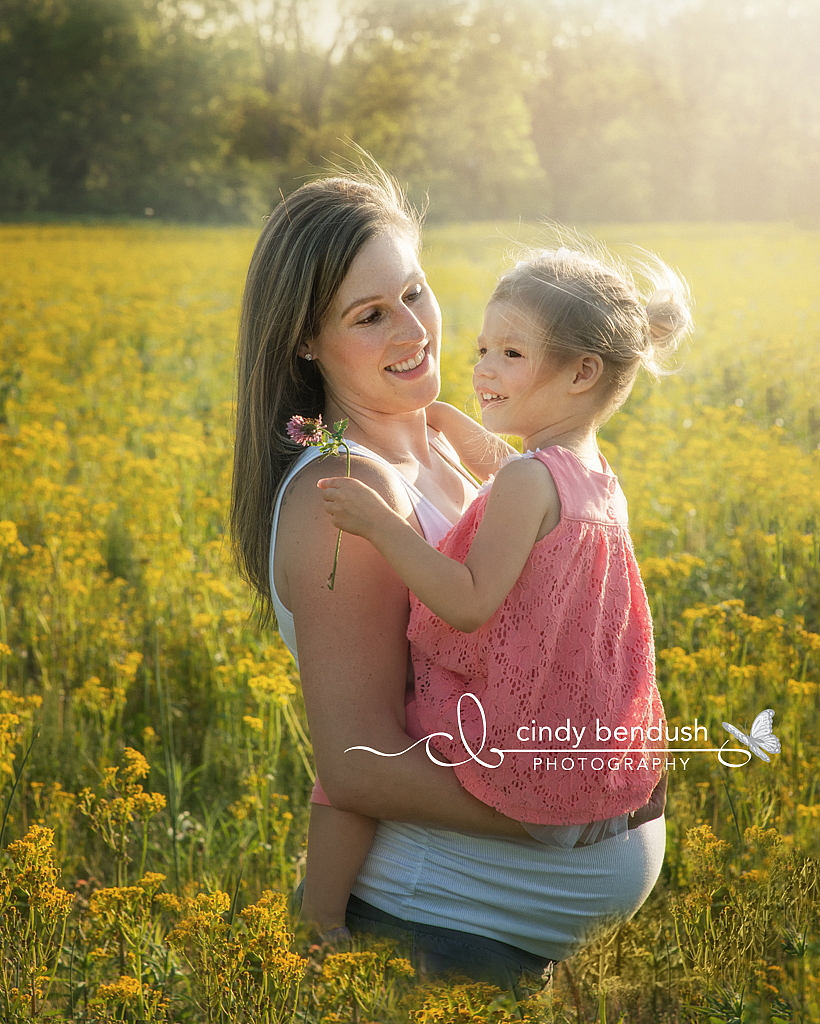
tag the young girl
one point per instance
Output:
(533, 606)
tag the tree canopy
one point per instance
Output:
(574, 109)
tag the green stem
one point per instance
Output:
(14, 787)
(53, 974)
(144, 848)
(303, 743)
(331, 582)
(138, 973)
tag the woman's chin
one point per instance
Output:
(420, 386)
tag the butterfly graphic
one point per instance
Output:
(760, 738)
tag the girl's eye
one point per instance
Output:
(480, 353)
(511, 353)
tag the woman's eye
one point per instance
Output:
(414, 294)
(371, 317)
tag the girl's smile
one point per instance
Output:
(485, 397)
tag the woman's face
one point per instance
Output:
(378, 349)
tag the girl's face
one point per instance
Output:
(378, 349)
(518, 391)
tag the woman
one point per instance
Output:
(338, 320)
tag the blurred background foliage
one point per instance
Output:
(573, 109)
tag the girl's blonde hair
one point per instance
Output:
(587, 300)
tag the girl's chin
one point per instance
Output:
(492, 420)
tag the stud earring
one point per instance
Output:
(308, 356)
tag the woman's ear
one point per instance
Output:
(588, 371)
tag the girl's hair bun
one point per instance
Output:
(668, 313)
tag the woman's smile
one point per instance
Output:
(406, 365)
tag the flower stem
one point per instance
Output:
(331, 580)
(332, 577)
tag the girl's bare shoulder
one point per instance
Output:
(527, 472)
(527, 483)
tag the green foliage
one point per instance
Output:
(131, 115)
(578, 111)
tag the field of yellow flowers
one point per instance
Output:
(154, 760)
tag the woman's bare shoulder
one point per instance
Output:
(302, 495)
(306, 543)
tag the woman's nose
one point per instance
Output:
(412, 329)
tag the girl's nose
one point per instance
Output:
(482, 370)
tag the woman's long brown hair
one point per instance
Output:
(302, 256)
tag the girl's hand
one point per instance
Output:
(353, 506)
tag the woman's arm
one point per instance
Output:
(479, 450)
(522, 500)
(353, 665)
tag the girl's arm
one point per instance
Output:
(353, 667)
(523, 505)
(479, 450)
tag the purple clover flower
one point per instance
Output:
(306, 432)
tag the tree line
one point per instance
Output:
(574, 109)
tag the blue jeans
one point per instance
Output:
(436, 951)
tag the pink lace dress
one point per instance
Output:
(563, 673)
